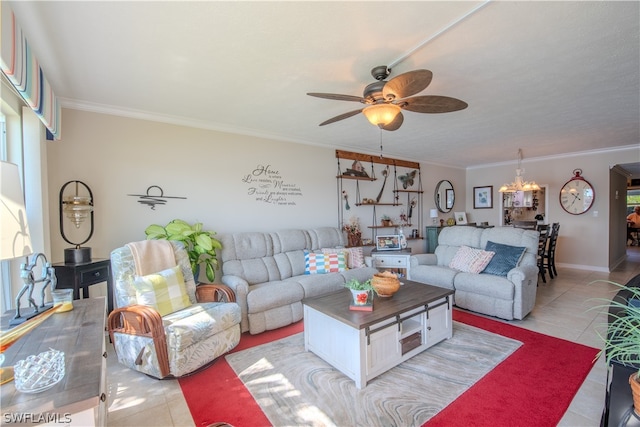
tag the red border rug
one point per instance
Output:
(532, 387)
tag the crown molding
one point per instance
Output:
(561, 156)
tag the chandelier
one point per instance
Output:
(519, 184)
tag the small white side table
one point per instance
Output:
(394, 261)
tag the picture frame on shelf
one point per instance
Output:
(461, 218)
(388, 242)
(483, 197)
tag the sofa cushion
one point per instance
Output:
(199, 321)
(506, 258)
(316, 263)
(485, 284)
(471, 260)
(320, 284)
(269, 295)
(165, 291)
(435, 275)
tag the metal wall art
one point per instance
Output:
(152, 200)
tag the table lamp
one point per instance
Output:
(77, 206)
(15, 241)
(433, 213)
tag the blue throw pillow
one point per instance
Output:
(506, 257)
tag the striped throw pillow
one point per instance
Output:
(315, 263)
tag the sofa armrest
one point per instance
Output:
(423, 259)
(240, 288)
(525, 281)
(143, 321)
(209, 292)
(521, 273)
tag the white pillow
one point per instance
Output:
(470, 260)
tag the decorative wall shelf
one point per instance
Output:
(363, 164)
(359, 178)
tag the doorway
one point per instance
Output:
(524, 206)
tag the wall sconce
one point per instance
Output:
(77, 207)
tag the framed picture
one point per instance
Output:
(483, 197)
(390, 242)
(450, 198)
(461, 218)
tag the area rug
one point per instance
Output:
(296, 388)
(532, 387)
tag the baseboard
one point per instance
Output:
(583, 267)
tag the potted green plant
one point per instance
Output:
(362, 292)
(622, 340)
(201, 245)
(385, 220)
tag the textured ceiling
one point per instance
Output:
(548, 77)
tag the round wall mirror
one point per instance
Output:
(445, 196)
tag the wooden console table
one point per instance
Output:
(80, 398)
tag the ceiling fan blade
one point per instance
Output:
(341, 117)
(337, 97)
(395, 124)
(407, 84)
(432, 104)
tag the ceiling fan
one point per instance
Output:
(385, 99)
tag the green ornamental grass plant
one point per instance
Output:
(622, 339)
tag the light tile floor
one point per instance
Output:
(562, 310)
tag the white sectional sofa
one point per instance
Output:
(511, 296)
(267, 273)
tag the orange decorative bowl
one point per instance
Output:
(386, 284)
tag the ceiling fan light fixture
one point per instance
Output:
(381, 114)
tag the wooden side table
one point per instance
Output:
(81, 276)
(396, 261)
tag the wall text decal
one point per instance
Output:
(267, 186)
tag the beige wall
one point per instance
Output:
(584, 239)
(118, 156)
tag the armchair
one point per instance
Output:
(163, 324)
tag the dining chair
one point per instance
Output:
(543, 239)
(549, 260)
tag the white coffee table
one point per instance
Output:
(363, 345)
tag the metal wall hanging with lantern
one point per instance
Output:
(77, 207)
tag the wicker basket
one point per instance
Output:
(386, 284)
